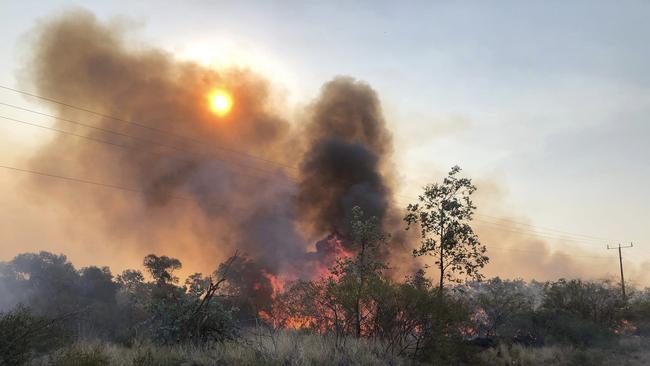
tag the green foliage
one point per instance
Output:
(577, 313)
(359, 278)
(566, 328)
(599, 302)
(357, 304)
(23, 334)
(638, 312)
(51, 286)
(178, 318)
(500, 307)
(443, 214)
(149, 356)
(183, 314)
(80, 356)
(97, 306)
(162, 268)
(45, 281)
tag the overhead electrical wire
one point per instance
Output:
(117, 133)
(531, 233)
(136, 148)
(510, 221)
(491, 225)
(491, 247)
(139, 191)
(147, 127)
(101, 184)
(545, 232)
(185, 198)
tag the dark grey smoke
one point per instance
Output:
(343, 167)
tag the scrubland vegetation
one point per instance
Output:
(87, 317)
(355, 314)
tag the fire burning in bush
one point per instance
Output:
(258, 184)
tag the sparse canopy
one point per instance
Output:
(161, 268)
(443, 213)
(358, 276)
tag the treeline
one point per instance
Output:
(49, 303)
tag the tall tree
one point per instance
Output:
(359, 275)
(161, 268)
(443, 213)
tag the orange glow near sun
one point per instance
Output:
(220, 102)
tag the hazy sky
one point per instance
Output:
(545, 101)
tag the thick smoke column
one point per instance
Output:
(349, 146)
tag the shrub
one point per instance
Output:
(578, 313)
(79, 355)
(149, 356)
(22, 334)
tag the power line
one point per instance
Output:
(540, 230)
(490, 247)
(500, 227)
(117, 133)
(85, 125)
(161, 131)
(84, 181)
(548, 235)
(186, 198)
(538, 234)
(542, 227)
(104, 185)
(136, 148)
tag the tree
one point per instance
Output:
(443, 214)
(348, 300)
(23, 334)
(161, 268)
(192, 313)
(48, 282)
(363, 272)
(594, 301)
(580, 313)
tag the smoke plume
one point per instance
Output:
(349, 145)
(197, 186)
(205, 185)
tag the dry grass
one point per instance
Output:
(281, 348)
(630, 351)
(293, 348)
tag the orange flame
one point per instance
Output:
(278, 316)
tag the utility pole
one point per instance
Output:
(620, 261)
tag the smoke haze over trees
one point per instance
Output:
(253, 224)
(198, 199)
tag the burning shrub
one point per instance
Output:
(638, 312)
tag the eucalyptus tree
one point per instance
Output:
(443, 214)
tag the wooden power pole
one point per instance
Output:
(620, 261)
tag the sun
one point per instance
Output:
(220, 102)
